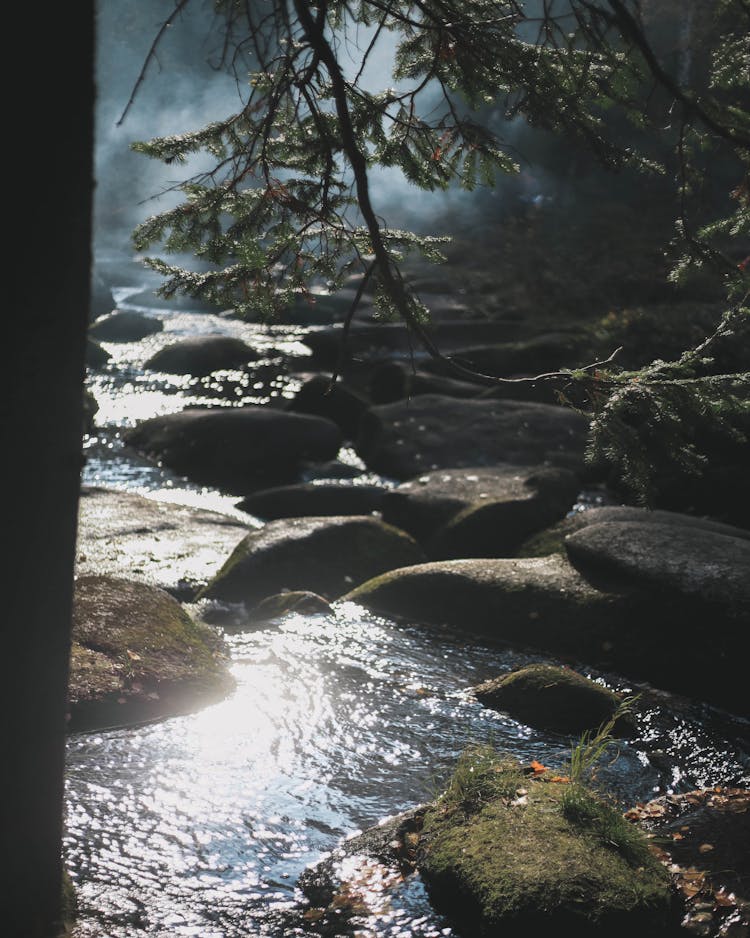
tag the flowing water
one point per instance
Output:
(200, 825)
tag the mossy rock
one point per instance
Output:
(323, 554)
(124, 326)
(553, 698)
(515, 865)
(138, 655)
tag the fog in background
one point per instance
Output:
(184, 89)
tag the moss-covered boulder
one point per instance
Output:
(543, 603)
(502, 855)
(138, 655)
(552, 697)
(326, 555)
(201, 355)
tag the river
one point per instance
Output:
(200, 825)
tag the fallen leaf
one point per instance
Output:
(538, 767)
(705, 848)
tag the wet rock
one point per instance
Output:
(338, 402)
(124, 326)
(302, 602)
(689, 562)
(138, 655)
(479, 511)
(314, 498)
(503, 858)
(326, 555)
(433, 431)
(552, 539)
(543, 603)
(202, 355)
(703, 837)
(175, 547)
(552, 697)
(237, 449)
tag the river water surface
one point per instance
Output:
(200, 825)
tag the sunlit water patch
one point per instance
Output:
(201, 825)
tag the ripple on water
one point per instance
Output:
(201, 824)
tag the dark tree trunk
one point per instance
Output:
(48, 149)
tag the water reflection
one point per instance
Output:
(201, 825)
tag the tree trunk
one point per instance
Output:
(48, 121)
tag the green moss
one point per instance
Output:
(518, 861)
(544, 543)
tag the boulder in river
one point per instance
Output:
(479, 511)
(236, 449)
(124, 326)
(302, 602)
(326, 555)
(175, 547)
(503, 853)
(685, 562)
(433, 431)
(201, 355)
(552, 697)
(314, 498)
(138, 655)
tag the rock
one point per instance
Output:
(433, 431)
(553, 698)
(302, 602)
(501, 854)
(480, 511)
(703, 837)
(442, 503)
(552, 539)
(326, 555)
(124, 326)
(688, 562)
(314, 498)
(96, 355)
(138, 655)
(544, 603)
(175, 547)
(237, 449)
(202, 355)
(339, 403)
